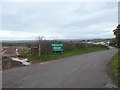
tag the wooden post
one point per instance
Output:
(39, 41)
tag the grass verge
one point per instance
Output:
(115, 66)
(54, 56)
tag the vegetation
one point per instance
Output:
(117, 36)
(116, 67)
(57, 55)
(116, 60)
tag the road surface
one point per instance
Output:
(81, 71)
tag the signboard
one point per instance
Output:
(57, 47)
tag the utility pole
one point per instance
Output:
(39, 42)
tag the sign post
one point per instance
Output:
(58, 47)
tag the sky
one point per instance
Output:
(58, 20)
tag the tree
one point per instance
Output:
(117, 35)
(114, 42)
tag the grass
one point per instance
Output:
(116, 67)
(55, 56)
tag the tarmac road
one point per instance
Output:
(81, 71)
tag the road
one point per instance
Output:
(81, 71)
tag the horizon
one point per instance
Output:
(59, 39)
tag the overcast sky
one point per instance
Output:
(58, 20)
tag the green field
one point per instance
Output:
(116, 67)
(55, 56)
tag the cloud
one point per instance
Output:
(60, 1)
(63, 20)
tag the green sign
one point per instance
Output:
(57, 47)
